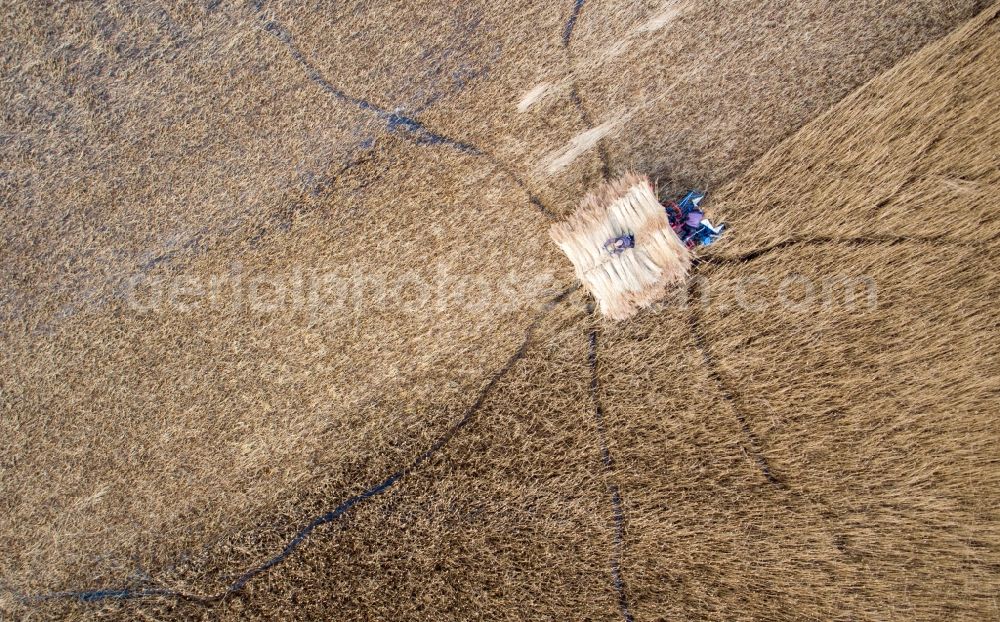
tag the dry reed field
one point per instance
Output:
(284, 335)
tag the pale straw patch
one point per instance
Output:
(628, 279)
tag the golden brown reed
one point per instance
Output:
(797, 463)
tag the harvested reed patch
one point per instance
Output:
(622, 246)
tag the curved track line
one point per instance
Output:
(571, 21)
(753, 451)
(340, 510)
(939, 240)
(394, 121)
(574, 91)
